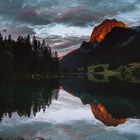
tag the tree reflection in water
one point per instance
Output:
(26, 97)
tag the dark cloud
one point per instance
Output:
(85, 13)
(9, 8)
(27, 16)
(77, 16)
(72, 13)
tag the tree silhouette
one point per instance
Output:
(27, 55)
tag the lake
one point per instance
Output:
(70, 108)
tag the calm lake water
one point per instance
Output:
(70, 109)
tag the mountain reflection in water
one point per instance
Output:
(100, 113)
(57, 103)
(112, 103)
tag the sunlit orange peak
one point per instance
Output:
(104, 28)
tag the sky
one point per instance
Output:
(63, 23)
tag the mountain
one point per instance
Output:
(104, 28)
(76, 57)
(118, 47)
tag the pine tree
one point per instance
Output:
(23, 56)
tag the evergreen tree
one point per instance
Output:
(22, 56)
(1, 37)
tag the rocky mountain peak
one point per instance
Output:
(104, 28)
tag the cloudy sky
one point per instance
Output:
(64, 23)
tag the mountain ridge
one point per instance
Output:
(119, 46)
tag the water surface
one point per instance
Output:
(70, 109)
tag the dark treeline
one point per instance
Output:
(26, 55)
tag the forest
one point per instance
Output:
(26, 55)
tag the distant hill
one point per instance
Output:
(119, 45)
